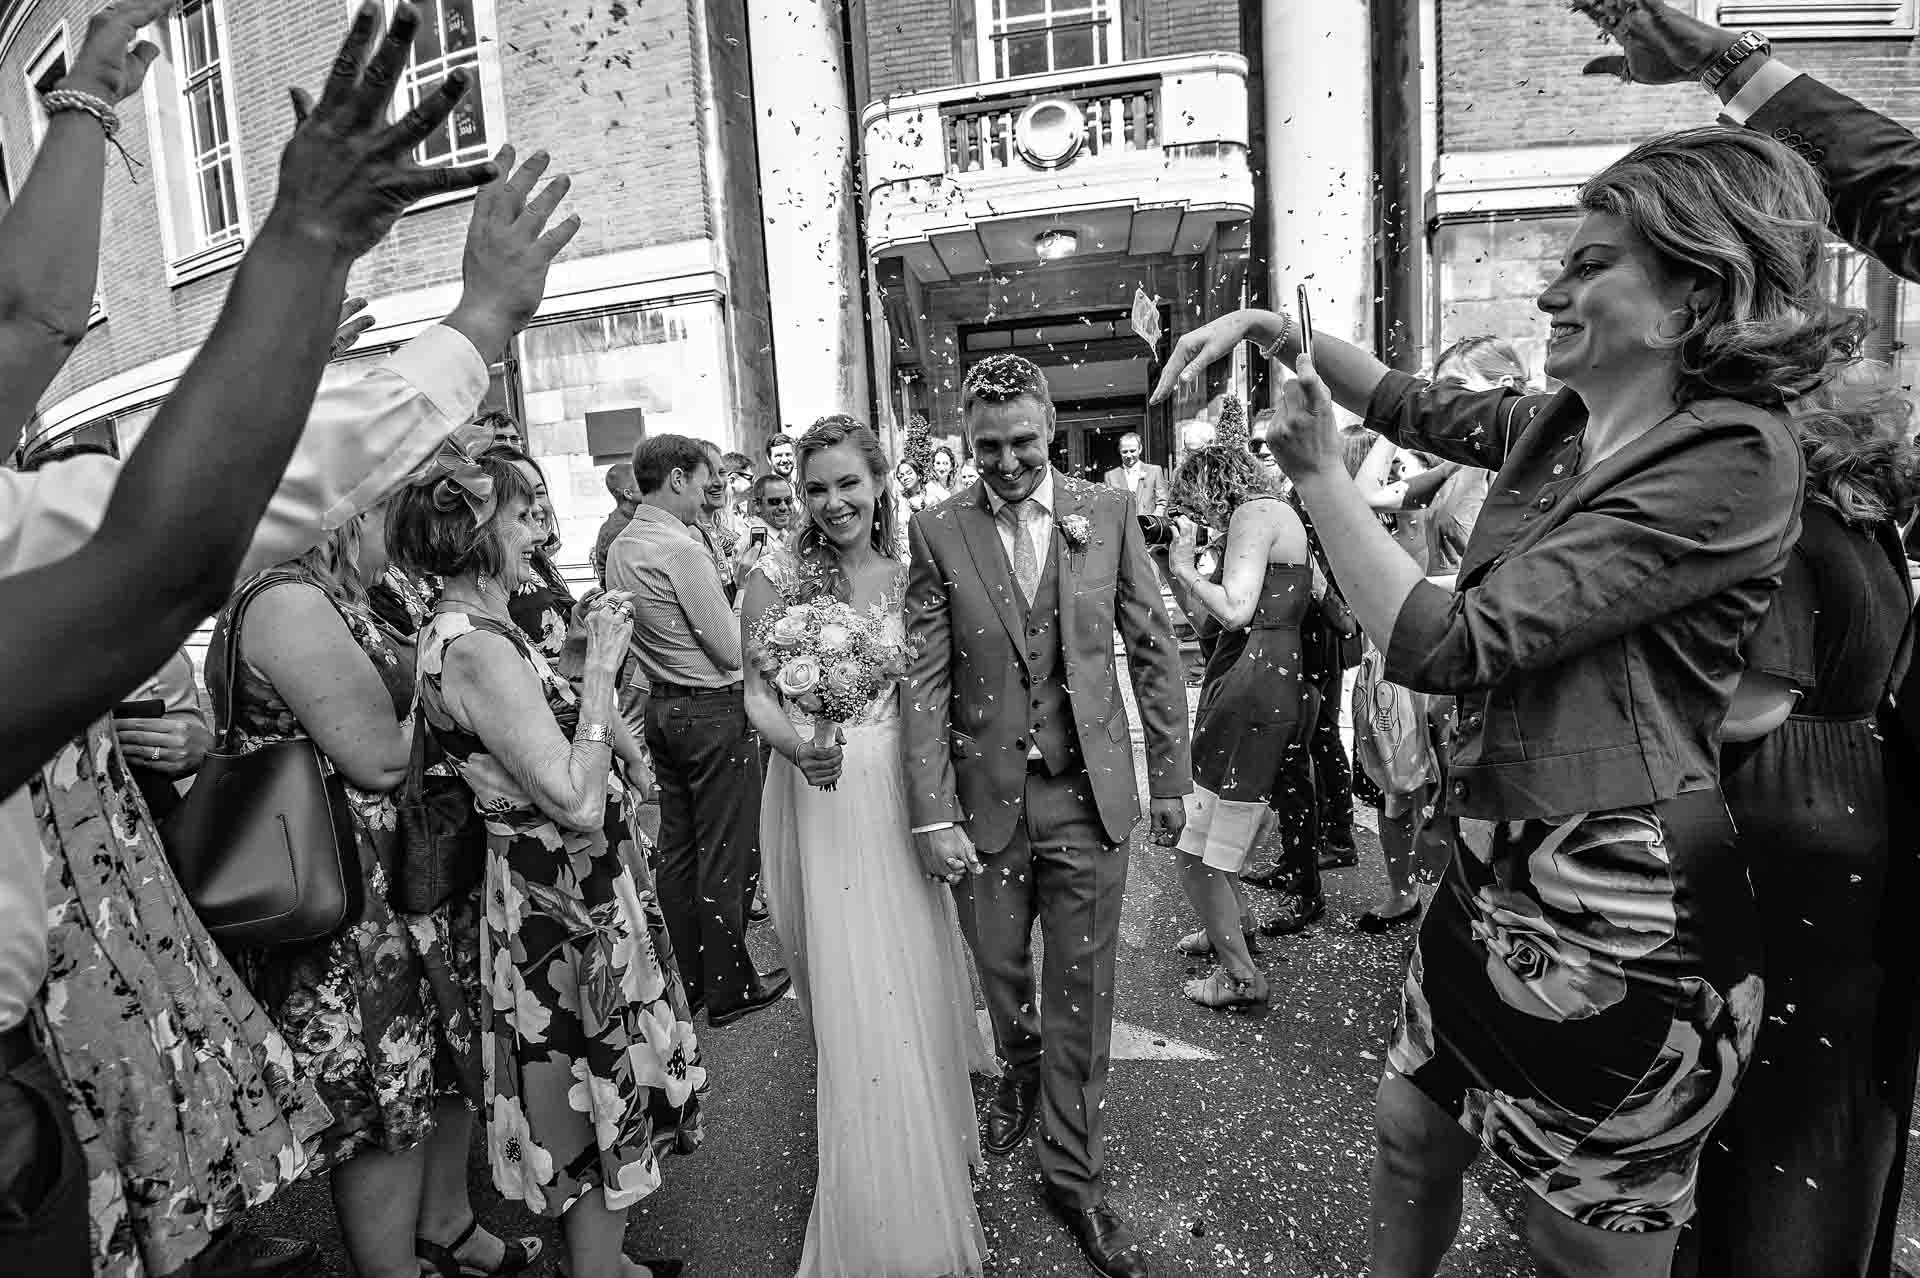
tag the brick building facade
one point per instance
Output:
(656, 318)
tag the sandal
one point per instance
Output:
(1197, 944)
(1225, 991)
(515, 1255)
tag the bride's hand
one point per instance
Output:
(947, 855)
(820, 765)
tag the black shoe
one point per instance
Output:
(1265, 876)
(1105, 1240)
(1335, 857)
(234, 1254)
(1377, 924)
(769, 988)
(1010, 1114)
(515, 1255)
(1306, 910)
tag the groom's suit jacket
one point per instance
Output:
(967, 690)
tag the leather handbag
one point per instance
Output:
(443, 841)
(263, 843)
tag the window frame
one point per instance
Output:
(1817, 19)
(491, 86)
(54, 46)
(988, 46)
(189, 254)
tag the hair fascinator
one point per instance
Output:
(455, 476)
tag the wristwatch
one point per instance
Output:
(1749, 43)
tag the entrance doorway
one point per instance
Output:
(1086, 438)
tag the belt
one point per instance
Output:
(661, 688)
(16, 1048)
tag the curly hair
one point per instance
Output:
(812, 544)
(1215, 481)
(1743, 212)
(1003, 378)
(1856, 435)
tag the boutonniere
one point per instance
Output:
(1077, 531)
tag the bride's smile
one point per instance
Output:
(840, 493)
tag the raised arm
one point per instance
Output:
(50, 237)
(490, 687)
(176, 529)
(1349, 372)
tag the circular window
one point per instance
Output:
(1050, 132)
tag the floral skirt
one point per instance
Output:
(186, 1100)
(1584, 998)
(592, 1067)
(380, 1015)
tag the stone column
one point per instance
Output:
(810, 209)
(1318, 102)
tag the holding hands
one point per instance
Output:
(947, 855)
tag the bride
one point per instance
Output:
(870, 940)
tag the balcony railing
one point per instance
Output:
(1119, 117)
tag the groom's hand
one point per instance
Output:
(948, 854)
(1169, 818)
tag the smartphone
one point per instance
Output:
(151, 708)
(758, 536)
(1306, 321)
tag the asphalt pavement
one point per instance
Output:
(1236, 1144)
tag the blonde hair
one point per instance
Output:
(1745, 213)
(334, 564)
(1856, 435)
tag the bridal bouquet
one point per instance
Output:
(825, 658)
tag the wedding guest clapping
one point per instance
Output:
(1256, 709)
(1595, 942)
(591, 1067)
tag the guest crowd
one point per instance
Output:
(1623, 652)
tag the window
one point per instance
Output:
(46, 69)
(1032, 37)
(1813, 19)
(456, 35)
(190, 116)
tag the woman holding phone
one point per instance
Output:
(1586, 990)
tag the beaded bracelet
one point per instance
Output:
(59, 100)
(73, 100)
(598, 733)
(1272, 352)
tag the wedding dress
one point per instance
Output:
(875, 953)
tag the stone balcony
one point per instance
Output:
(1136, 158)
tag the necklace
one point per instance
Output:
(479, 602)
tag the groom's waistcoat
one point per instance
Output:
(1049, 709)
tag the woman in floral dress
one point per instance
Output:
(379, 1015)
(591, 1065)
(542, 606)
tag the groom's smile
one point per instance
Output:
(1010, 445)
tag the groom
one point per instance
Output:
(1020, 766)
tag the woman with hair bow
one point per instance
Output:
(376, 1015)
(592, 1070)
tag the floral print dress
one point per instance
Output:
(1583, 999)
(380, 1015)
(186, 1099)
(592, 1066)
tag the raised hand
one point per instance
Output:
(347, 175)
(1659, 44)
(1305, 434)
(1212, 341)
(609, 627)
(111, 63)
(509, 249)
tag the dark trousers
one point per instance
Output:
(706, 761)
(1060, 870)
(43, 1177)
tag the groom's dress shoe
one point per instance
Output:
(1011, 1112)
(1104, 1238)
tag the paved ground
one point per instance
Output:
(1236, 1145)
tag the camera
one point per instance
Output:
(1158, 531)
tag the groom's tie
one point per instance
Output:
(1026, 564)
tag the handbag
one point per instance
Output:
(263, 843)
(443, 841)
